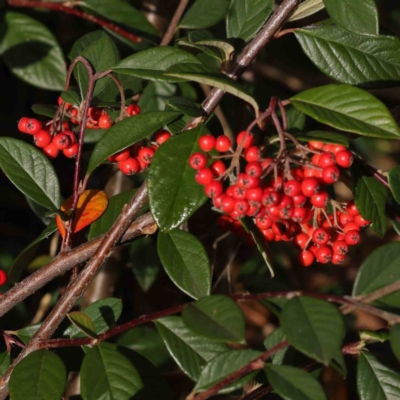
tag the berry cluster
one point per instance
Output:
(137, 158)
(287, 203)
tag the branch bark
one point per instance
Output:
(169, 34)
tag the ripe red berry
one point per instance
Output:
(42, 138)
(326, 160)
(315, 159)
(71, 151)
(320, 236)
(315, 145)
(340, 247)
(133, 109)
(198, 161)
(218, 168)
(320, 200)
(32, 126)
(161, 136)
(345, 218)
(247, 181)
(270, 197)
(214, 189)
(241, 206)
(337, 148)
(223, 144)
(361, 222)
(352, 237)
(22, 124)
(130, 166)
(338, 259)
(70, 134)
(301, 240)
(344, 158)
(324, 254)
(227, 204)
(254, 194)
(95, 113)
(146, 154)
(309, 186)
(51, 150)
(292, 188)
(352, 209)
(330, 174)
(61, 141)
(264, 222)
(299, 200)
(105, 121)
(204, 176)
(301, 214)
(245, 139)
(306, 258)
(252, 154)
(238, 193)
(207, 142)
(121, 155)
(254, 169)
(351, 226)
(3, 277)
(268, 234)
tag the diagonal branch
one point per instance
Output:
(169, 34)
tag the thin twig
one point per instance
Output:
(169, 34)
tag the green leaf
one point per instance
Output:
(394, 182)
(222, 366)
(246, 17)
(32, 52)
(105, 373)
(395, 340)
(293, 383)
(369, 337)
(43, 375)
(375, 381)
(152, 63)
(349, 109)
(5, 362)
(174, 194)
(381, 268)
(185, 106)
(358, 16)
(26, 255)
(44, 109)
(185, 261)
(370, 197)
(145, 261)
(314, 327)
(216, 317)
(128, 132)
(305, 9)
(102, 53)
(190, 351)
(103, 313)
(81, 321)
(114, 208)
(120, 12)
(296, 120)
(26, 334)
(271, 341)
(324, 136)
(204, 13)
(30, 171)
(156, 95)
(351, 58)
(198, 73)
(71, 96)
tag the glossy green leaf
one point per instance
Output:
(293, 383)
(71, 96)
(44, 109)
(30, 171)
(156, 95)
(274, 339)
(324, 136)
(185, 261)
(394, 182)
(305, 9)
(102, 53)
(105, 373)
(375, 381)
(185, 106)
(5, 362)
(204, 13)
(351, 58)
(314, 327)
(190, 351)
(26, 255)
(395, 340)
(26, 334)
(174, 195)
(370, 197)
(198, 73)
(358, 16)
(32, 52)
(128, 132)
(81, 321)
(349, 109)
(216, 317)
(381, 268)
(122, 13)
(246, 17)
(103, 313)
(222, 366)
(43, 375)
(152, 63)
(296, 120)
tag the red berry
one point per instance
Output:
(3, 277)
(252, 154)
(306, 258)
(214, 189)
(146, 154)
(324, 254)
(204, 176)
(61, 141)
(352, 237)
(227, 204)
(105, 122)
(315, 159)
(51, 150)
(245, 139)
(273, 212)
(292, 188)
(337, 148)
(301, 240)
(326, 160)
(198, 161)
(345, 218)
(254, 194)
(330, 174)
(361, 222)
(351, 226)
(22, 124)
(300, 214)
(161, 136)
(266, 163)
(33, 126)
(268, 234)
(130, 166)
(299, 200)
(344, 158)
(270, 197)
(320, 200)
(70, 134)
(95, 113)
(352, 209)
(297, 173)
(340, 247)
(280, 227)
(207, 142)
(264, 222)
(241, 206)
(338, 259)
(133, 109)
(238, 193)
(223, 144)
(254, 169)
(42, 138)
(248, 181)
(320, 236)
(309, 186)
(217, 201)
(316, 145)
(71, 151)
(218, 168)
(121, 155)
